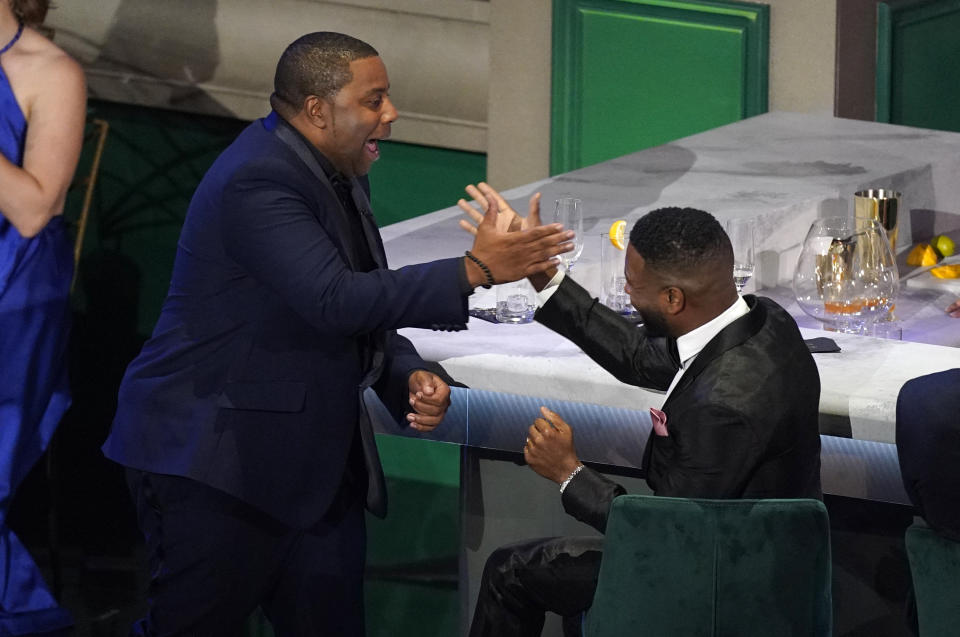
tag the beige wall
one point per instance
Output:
(518, 143)
(802, 55)
(218, 56)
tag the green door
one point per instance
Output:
(918, 63)
(631, 74)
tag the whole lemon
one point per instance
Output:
(943, 245)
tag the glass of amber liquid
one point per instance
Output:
(846, 276)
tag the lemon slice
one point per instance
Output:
(922, 254)
(946, 272)
(618, 230)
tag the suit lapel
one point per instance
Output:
(728, 338)
(298, 146)
(376, 483)
(362, 202)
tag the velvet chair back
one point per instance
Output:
(712, 568)
(935, 566)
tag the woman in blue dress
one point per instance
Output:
(42, 110)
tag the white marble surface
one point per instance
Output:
(785, 169)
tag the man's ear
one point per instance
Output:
(317, 111)
(672, 299)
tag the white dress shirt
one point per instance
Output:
(693, 342)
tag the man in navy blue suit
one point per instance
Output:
(250, 455)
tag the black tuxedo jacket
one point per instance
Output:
(251, 380)
(742, 421)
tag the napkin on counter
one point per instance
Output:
(821, 345)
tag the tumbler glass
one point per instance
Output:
(612, 277)
(516, 302)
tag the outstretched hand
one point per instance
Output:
(507, 218)
(429, 398)
(954, 309)
(549, 448)
(510, 253)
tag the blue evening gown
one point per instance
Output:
(34, 324)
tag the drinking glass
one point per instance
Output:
(569, 212)
(846, 276)
(612, 277)
(741, 232)
(516, 302)
(891, 330)
(880, 205)
(878, 271)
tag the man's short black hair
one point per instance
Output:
(681, 240)
(316, 64)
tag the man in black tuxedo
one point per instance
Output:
(739, 419)
(928, 446)
(250, 454)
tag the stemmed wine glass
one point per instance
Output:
(741, 232)
(569, 212)
(846, 275)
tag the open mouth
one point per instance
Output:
(373, 147)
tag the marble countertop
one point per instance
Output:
(784, 169)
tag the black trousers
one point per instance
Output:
(522, 581)
(213, 559)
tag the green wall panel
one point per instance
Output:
(629, 75)
(412, 554)
(152, 161)
(918, 63)
(410, 180)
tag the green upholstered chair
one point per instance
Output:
(711, 568)
(935, 566)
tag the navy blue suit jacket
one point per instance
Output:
(250, 381)
(928, 445)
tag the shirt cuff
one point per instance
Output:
(544, 295)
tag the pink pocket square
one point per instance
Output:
(659, 422)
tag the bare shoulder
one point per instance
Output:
(41, 56)
(39, 68)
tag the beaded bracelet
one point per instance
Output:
(482, 266)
